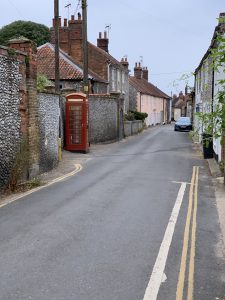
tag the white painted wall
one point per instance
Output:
(218, 75)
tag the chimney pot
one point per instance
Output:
(79, 16)
(65, 22)
(103, 43)
(72, 18)
(145, 73)
(138, 72)
(124, 63)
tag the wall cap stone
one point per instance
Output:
(16, 51)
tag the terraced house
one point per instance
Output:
(207, 87)
(113, 72)
(147, 98)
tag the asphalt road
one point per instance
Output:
(138, 222)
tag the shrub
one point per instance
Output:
(42, 83)
(139, 115)
(129, 116)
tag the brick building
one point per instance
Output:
(108, 68)
(71, 72)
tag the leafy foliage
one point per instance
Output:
(214, 121)
(42, 83)
(36, 32)
(140, 115)
(129, 116)
(136, 115)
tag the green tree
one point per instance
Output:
(36, 32)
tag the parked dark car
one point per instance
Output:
(183, 124)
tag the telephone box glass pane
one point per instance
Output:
(75, 124)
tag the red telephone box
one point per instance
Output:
(77, 122)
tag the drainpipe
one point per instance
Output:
(140, 102)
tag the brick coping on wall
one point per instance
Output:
(4, 51)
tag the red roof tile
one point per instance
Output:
(69, 69)
(46, 64)
(145, 87)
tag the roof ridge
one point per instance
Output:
(108, 55)
(147, 87)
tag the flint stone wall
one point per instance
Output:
(49, 130)
(103, 118)
(9, 115)
(132, 127)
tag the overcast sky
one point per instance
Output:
(170, 36)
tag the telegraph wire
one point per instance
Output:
(170, 73)
(16, 8)
(78, 7)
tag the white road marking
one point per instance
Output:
(157, 276)
(164, 279)
(180, 182)
(78, 168)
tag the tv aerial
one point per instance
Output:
(68, 6)
(108, 28)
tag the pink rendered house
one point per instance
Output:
(145, 97)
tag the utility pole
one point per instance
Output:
(85, 46)
(56, 16)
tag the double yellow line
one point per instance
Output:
(189, 233)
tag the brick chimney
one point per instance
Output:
(145, 73)
(103, 42)
(70, 36)
(125, 63)
(138, 71)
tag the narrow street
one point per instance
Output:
(138, 222)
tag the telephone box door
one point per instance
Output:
(77, 123)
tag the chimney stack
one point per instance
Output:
(138, 71)
(60, 24)
(65, 23)
(103, 43)
(125, 63)
(145, 73)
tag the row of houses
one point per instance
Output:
(32, 123)
(207, 86)
(182, 105)
(107, 75)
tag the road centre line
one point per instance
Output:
(157, 275)
(78, 168)
(193, 242)
(181, 278)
